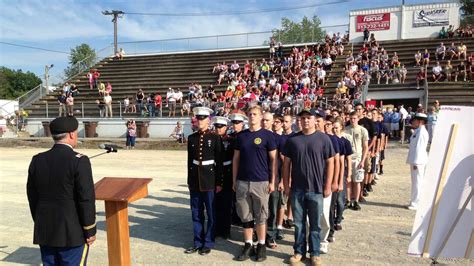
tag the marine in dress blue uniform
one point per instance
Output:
(205, 178)
(61, 197)
(224, 198)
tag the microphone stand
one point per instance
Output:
(102, 153)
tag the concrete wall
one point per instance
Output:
(401, 22)
(115, 128)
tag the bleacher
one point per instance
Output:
(156, 73)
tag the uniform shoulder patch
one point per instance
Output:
(79, 155)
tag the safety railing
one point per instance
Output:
(226, 41)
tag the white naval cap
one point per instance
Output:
(220, 120)
(202, 111)
(420, 116)
(238, 117)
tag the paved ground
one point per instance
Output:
(160, 225)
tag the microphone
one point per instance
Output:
(109, 147)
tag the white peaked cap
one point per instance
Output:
(202, 111)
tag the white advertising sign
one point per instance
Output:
(444, 221)
(430, 17)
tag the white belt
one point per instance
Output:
(208, 162)
(227, 163)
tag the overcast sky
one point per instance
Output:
(62, 24)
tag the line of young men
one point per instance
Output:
(262, 157)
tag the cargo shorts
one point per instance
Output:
(252, 201)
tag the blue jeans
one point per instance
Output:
(199, 201)
(307, 204)
(151, 109)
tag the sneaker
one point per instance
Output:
(347, 205)
(280, 235)
(381, 172)
(373, 183)
(247, 251)
(337, 227)
(271, 243)
(296, 259)
(316, 261)
(254, 238)
(323, 248)
(369, 188)
(411, 207)
(365, 193)
(331, 239)
(290, 224)
(261, 253)
(356, 206)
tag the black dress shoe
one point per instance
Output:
(204, 251)
(247, 251)
(191, 250)
(261, 252)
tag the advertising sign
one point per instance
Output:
(430, 17)
(373, 22)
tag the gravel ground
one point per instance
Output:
(161, 228)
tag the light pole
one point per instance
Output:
(46, 77)
(117, 14)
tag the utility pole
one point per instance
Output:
(46, 78)
(117, 14)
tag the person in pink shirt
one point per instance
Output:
(90, 76)
(108, 88)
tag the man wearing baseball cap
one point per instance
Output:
(205, 178)
(61, 196)
(417, 156)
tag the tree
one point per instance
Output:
(81, 58)
(13, 83)
(308, 30)
(467, 12)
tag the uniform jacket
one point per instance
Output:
(228, 143)
(61, 197)
(417, 154)
(202, 147)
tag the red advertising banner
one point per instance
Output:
(373, 22)
(370, 104)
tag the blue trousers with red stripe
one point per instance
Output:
(52, 256)
(199, 202)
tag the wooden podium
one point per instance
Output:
(117, 193)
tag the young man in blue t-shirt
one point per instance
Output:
(310, 156)
(254, 172)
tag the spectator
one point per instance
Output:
(171, 102)
(450, 31)
(234, 68)
(442, 33)
(418, 57)
(108, 88)
(70, 104)
(96, 76)
(460, 71)
(131, 134)
(73, 89)
(403, 74)
(420, 78)
(437, 72)
(90, 77)
(108, 105)
(186, 109)
(126, 105)
(101, 105)
(448, 70)
(279, 52)
(120, 54)
(178, 133)
(426, 58)
(158, 105)
(462, 51)
(272, 47)
(62, 103)
(178, 95)
(453, 51)
(139, 98)
(101, 89)
(150, 105)
(366, 34)
(441, 52)
(431, 124)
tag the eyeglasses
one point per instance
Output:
(236, 121)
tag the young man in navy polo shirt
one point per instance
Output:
(254, 172)
(310, 155)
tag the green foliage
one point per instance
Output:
(81, 58)
(308, 30)
(14, 83)
(467, 12)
